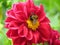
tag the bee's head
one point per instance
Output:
(33, 17)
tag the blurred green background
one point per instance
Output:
(52, 9)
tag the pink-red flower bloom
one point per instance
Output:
(27, 24)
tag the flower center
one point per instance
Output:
(33, 22)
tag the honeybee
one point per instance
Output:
(34, 18)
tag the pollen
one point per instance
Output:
(33, 22)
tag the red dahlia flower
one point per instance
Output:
(27, 23)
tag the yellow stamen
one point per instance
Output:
(32, 25)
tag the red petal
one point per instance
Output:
(19, 41)
(41, 8)
(46, 21)
(21, 16)
(57, 42)
(9, 19)
(45, 31)
(11, 23)
(8, 33)
(30, 3)
(14, 25)
(54, 35)
(18, 7)
(12, 33)
(36, 37)
(20, 11)
(23, 31)
(30, 7)
(30, 35)
(11, 14)
(40, 13)
(28, 43)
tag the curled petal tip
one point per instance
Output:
(29, 0)
(41, 7)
